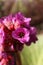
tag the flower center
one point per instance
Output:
(21, 34)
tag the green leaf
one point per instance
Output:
(33, 54)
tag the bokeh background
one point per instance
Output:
(32, 55)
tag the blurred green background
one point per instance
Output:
(32, 55)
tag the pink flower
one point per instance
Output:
(21, 34)
(8, 22)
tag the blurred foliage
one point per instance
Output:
(33, 55)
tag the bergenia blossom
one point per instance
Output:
(15, 32)
(21, 34)
(8, 22)
(20, 21)
(17, 28)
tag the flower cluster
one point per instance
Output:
(16, 31)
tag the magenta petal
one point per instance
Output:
(27, 20)
(33, 30)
